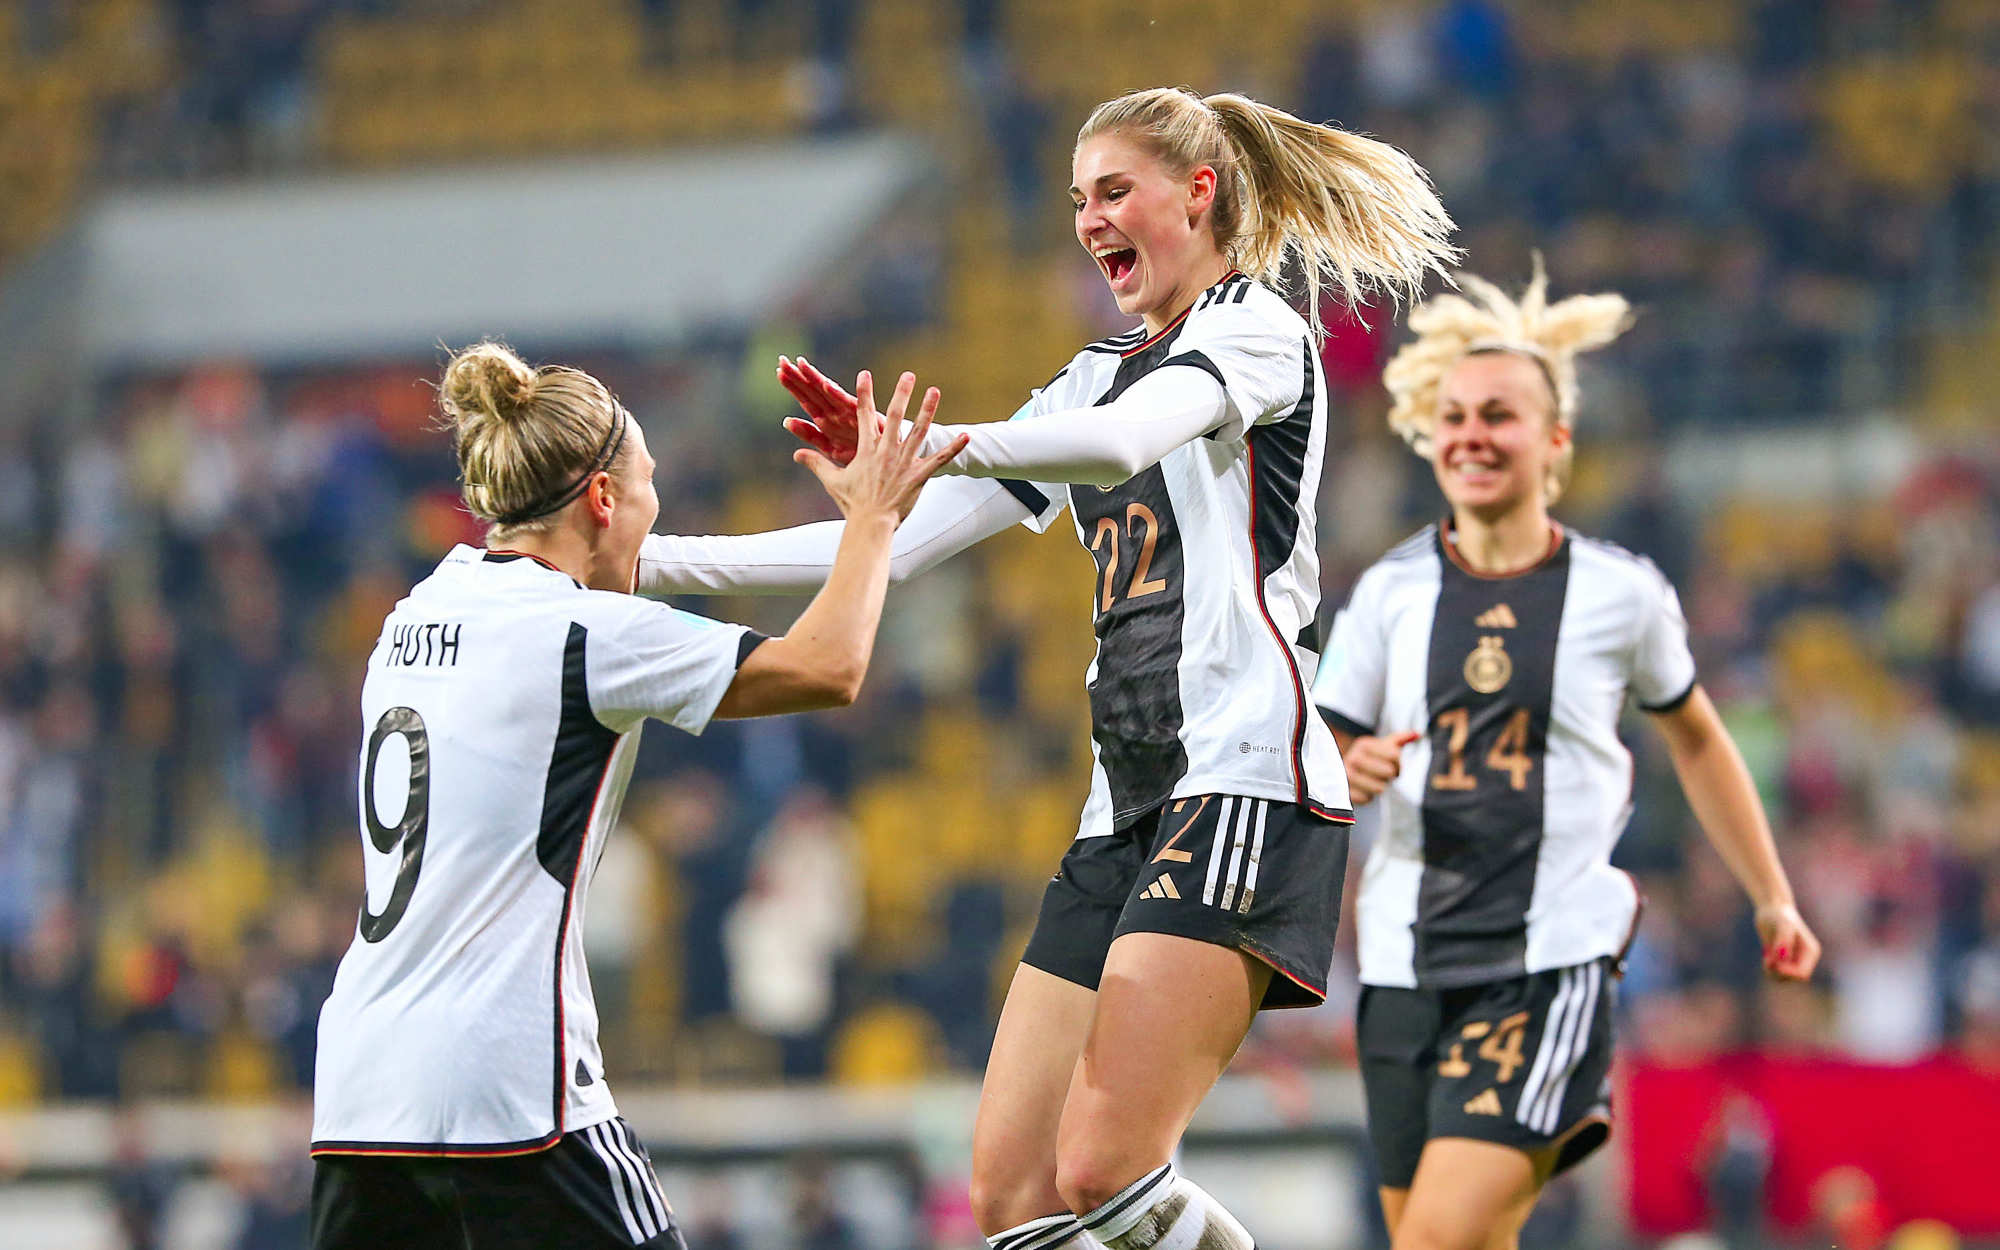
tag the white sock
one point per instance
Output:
(1164, 1210)
(1051, 1232)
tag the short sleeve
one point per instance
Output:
(651, 660)
(1263, 364)
(1663, 673)
(1044, 501)
(1354, 670)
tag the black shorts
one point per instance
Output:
(593, 1190)
(1256, 875)
(1524, 1062)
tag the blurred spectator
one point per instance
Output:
(141, 1186)
(789, 933)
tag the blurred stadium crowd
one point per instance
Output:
(1801, 198)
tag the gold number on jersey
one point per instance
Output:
(1142, 582)
(1454, 777)
(1140, 514)
(1106, 528)
(1508, 754)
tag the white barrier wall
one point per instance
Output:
(637, 251)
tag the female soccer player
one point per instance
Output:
(1475, 680)
(460, 1096)
(1205, 879)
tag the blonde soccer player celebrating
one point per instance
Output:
(1475, 680)
(460, 1097)
(1204, 882)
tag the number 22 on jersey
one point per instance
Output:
(1142, 526)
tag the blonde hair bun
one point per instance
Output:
(527, 439)
(487, 379)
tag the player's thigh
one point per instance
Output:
(1393, 1202)
(1171, 1013)
(363, 1203)
(1468, 1195)
(1035, 1049)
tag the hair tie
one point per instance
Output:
(614, 438)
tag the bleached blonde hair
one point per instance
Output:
(1357, 214)
(1450, 327)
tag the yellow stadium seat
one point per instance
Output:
(241, 1068)
(20, 1070)
(887, 1044)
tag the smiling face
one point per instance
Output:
(1496, 436)
(1147, 230)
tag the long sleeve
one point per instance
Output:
(1100, 446)
(950, 515)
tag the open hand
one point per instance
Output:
(831, 421)
(885, 472)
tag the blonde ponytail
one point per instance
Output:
(528, 440)
(1451, 327)
(1356, 213)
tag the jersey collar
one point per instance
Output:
(1169, 328)
(1557, 536)
(501, 555)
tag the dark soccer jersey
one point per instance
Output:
(1493, 857)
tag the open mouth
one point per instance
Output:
(1118, 265)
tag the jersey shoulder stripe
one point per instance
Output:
(1231, 290)
(1117, 343)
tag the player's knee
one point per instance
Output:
(1004, 1199)
(1416, 1232)
(1090, 1174)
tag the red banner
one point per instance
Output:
(1927, 1136)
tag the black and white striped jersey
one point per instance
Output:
(1207, 588)
(1494, 851)
(503, 705)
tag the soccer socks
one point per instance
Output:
(1164, 1210)
(1051, 1232)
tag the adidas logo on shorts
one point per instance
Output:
(1161, 888)
(1487, 1103)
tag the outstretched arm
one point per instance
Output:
(949, 517)
(1724, 799)
(1100, 446)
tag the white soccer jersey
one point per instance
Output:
(1207, 591)
(503, 705)
(1494, 851)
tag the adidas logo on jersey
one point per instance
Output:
(1487, 1103)
(1162, 888)
(1499, 616)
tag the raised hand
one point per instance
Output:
(830, 423)
(885, 471)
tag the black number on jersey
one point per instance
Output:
(1508, 754)
(1137, 517)
(410, 829)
